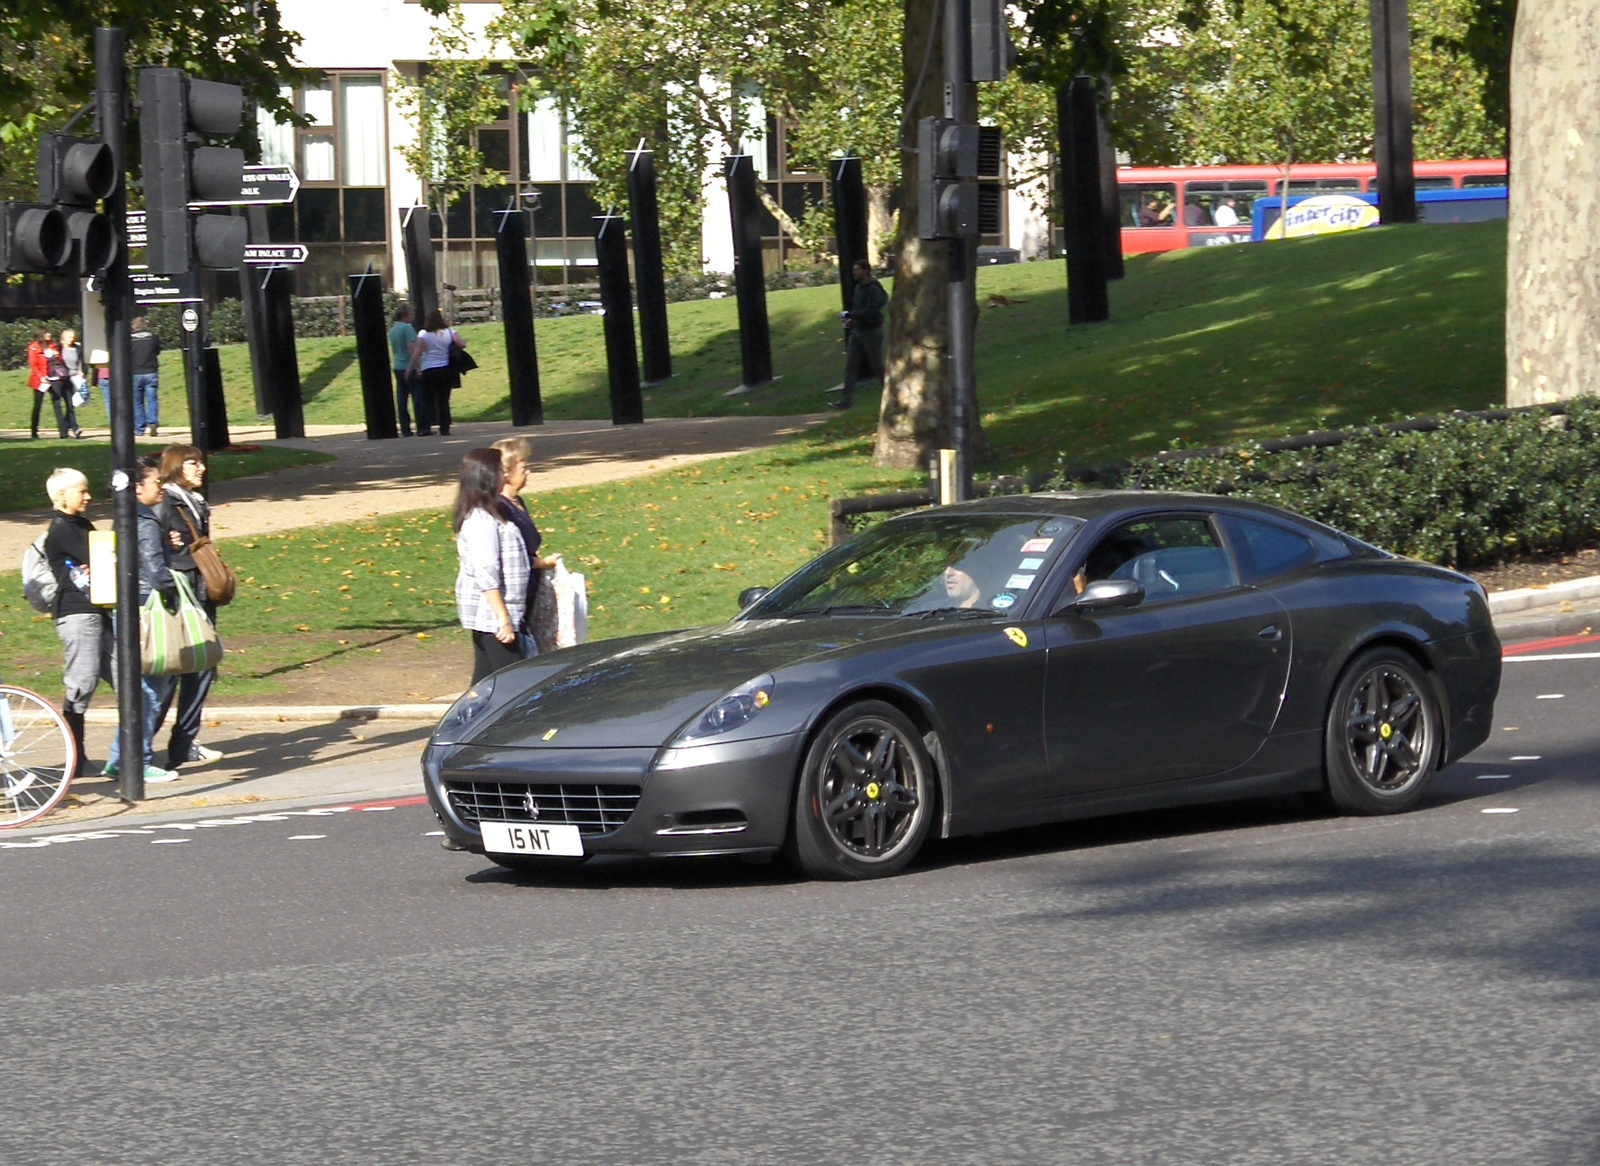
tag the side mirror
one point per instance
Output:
(1108, 595)
(752, 595)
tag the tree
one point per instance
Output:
(47, 62)
(453, 94)
(1552, 281)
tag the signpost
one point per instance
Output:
(275, 254)
(263, 186)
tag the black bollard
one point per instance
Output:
(1087, 300)
(372, 350)
(1110, 203)
(516, 310)
(622, 356)
(849, 221)
(216, 403)
(749, 279)
(255, 324)
(648, 270)
(417, 245)
(288, 408)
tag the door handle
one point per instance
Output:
(1271, 632)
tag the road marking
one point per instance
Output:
(1564, 656)
(1524, 648)
(1551, 696)
(1501, 810)
(168, 841)
(305, 837)
(375, 809)
(1494, 777)
(1526, 757)
(433, 833)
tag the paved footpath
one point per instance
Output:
(372, 478)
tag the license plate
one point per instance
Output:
(532, 838)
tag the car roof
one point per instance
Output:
(1089, 505)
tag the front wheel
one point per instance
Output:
(866, 795)
(37, 756)
(1382, 739)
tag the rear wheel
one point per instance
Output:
(37, 756)
(866, 795)
(1383, 734)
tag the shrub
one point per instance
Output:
(1470, 492)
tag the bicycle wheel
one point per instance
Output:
(37, 756)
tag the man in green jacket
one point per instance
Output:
(863, 324)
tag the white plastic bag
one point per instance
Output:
(572, 606)
(80, 391)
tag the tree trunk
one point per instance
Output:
(914, 417)
(1552, 280)
(880, 219)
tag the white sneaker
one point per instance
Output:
(154, 774)
(200, 755)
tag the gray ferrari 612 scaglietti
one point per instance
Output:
(997, 663)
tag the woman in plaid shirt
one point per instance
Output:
(492, 584)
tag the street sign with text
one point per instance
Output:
(263, 185)
(150, 288)
(275, 254)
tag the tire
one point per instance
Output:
(38, 757)
(866, 793)
(1381, 745)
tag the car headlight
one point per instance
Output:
(732, 710)
(467, 709)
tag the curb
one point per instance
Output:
(1523, 598)
(311, 712)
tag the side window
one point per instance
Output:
(1266, 550)
(1148, 204)
(1171, 558)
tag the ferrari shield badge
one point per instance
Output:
(1017, 636)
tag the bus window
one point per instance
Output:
(1321, 185)
(1148, 204)
(1477, 181)
(1224, 204)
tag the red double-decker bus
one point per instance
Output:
(1168, 208)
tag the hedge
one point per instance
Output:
(1470, 492)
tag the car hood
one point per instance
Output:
(644, 692)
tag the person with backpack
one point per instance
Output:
(83, 628)
(155, 574)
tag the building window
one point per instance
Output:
(365, 143)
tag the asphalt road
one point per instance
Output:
(1247, 984)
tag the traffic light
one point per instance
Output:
(951, 159)
(34, 237)
(75, 174)
(993, 54)
(176, 112)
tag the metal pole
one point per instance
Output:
(962, 289)
(111, 86)
(194, 372)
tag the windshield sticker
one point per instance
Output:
(1020, 582)
(1002, 601)
(1017, 636)
(1050, 528)
(1037, 546)
(1030, 564)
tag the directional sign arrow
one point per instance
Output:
(275, 254)
(262, 185)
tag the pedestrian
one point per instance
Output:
(863, 325)
(430, 358)
(62, 390)
(492, 584)
(38, 374)
(146, 365)
(83, 628)
(72, 357)
(186, 516)
(538, 622)
(155, 575)
(402, 335)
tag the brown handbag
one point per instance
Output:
(218, 577)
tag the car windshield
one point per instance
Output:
(937, 564)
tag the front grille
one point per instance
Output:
(593, 809)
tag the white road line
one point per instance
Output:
(1562, 656)
(433, 834)
(305, 837)
(375, 809)
(1526, 757)
(1494, 777)
(187, 827)
(168, 841)
(1501, 810)
(1551, 696)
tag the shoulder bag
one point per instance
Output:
(176, 643)
(218, 577)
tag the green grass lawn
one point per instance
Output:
(1204, 347)
(24, 465)
(671, 550)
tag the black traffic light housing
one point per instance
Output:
(176, 113)
(951, 159)
(34, 237)
(993, 54)
(75, 174)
